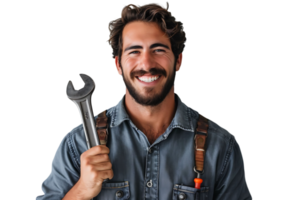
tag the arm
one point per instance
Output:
(231, 183)
(73, 194)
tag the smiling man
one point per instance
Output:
(156, 144)
(148, 67)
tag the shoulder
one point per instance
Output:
(72, 138)
(213, 128)
(76, 133)
(224, 145)
(76, 143)
(219, 133)
(221, 143)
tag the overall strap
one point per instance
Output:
(200, 138)
(101, 127)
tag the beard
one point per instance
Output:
(151, 98)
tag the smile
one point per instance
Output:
(148, 80)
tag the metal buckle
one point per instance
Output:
(198, 172)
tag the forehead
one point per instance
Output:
(143, 33)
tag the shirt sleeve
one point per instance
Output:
(64, 174)
(231, 183)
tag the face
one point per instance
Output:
(147, 63)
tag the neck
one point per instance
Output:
(152, 120)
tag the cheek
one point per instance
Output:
(166, 60)
(129, 63)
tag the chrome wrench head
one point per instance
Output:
(83, 92)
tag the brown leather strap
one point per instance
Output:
(101, 126)
(200, 138)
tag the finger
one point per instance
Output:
(98, 159)
(99, 149)
(102, 166)
(107, 174)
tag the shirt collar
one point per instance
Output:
(182, 118)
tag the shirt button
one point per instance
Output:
(181, 196)
(149, 184)
(149, 150)
(120, 193)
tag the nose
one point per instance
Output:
(147, 61)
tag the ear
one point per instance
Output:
(118, 65)
(178, 62)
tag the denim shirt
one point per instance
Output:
(162, 170)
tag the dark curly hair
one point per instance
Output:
(147, 13)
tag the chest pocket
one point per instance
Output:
(182, 192)
(117, 191)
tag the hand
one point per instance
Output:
(95, 167)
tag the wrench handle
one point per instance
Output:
(87, 116)
(88, 121)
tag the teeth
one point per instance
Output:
(148, 80)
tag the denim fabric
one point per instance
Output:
(162, 170)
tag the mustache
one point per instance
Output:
(152, 71)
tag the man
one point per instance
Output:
(150, 147)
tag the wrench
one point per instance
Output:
(82, 100)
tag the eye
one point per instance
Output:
(159, 50)
(154, 50)
(132, 52)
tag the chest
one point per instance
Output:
(152, 136)
(152, 139)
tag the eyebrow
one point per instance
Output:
(151, 47)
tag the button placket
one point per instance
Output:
(149, 183)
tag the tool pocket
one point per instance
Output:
(117, 191)
(182, 192)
